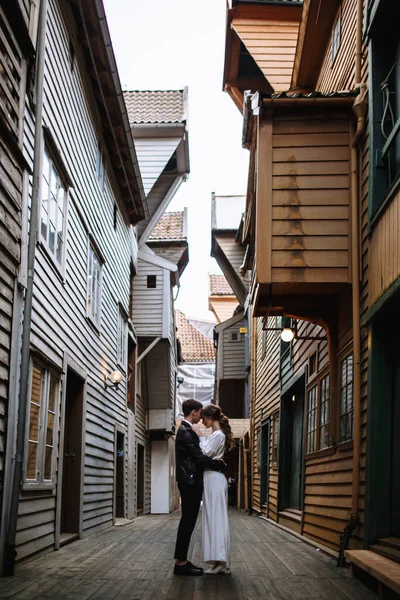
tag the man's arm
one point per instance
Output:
(191, 445)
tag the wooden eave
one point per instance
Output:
(316, 24)
(101, 67)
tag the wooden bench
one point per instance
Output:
(386, 571)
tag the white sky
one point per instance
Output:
(168, 44)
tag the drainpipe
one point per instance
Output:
(10, 551)
(359, 108)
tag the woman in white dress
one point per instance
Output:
(215, 525)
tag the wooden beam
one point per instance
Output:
(264, 199)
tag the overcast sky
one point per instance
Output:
(169, 44)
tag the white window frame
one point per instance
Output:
(94, 317)
(47, 374)
(336, 35)
(100, 167)
(122, 339)
(238, 339)
(61, 201)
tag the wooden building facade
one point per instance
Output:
(320, 228)
(78, 461)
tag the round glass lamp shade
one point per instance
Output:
(115, 377)
(287, 334)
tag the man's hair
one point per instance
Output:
(189, 405)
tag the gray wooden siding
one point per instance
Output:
(234, 353)
(147, 303)
(156, 196)
(10, 256)
(153, 155)
(59, 321)
(141, 431)
(158, 375)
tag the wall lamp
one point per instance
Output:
(179, 380)
(113, 380)
(289, 332)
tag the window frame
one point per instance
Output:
(346, 386)
(47, 374)
(336, 36)
(100, 167)
(95, 320)
(54, 164)
(122, 339)
(317, 383)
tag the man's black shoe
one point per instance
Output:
(187, 569)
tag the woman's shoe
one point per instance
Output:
(215, 570)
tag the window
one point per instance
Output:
(346, 399)
(384, 106)
(94, 286)
(235, 336)
(100, 171)
(44, 394)
(52, 213)
(336, 36)
(122, 340)
(324, 415)
(311, 440)
(275, 439)
(152, 281)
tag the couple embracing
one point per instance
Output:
(199, 473)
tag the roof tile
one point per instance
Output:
(195, 346)
(169, 227)
(160, 106)
(219, 286)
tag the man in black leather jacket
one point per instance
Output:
(190, 465)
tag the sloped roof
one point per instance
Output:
(159, 106)
(169, 227)
(219, 286)
(195, 346)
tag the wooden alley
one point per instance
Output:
(135, 561)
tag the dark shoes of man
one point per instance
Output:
(188, 569)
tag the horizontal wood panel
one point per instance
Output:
(317, 227)
(318, 242)
(310, 258)
(305, 182)
(302, 153)
(314, 213)
(319, 197)
(310, 139)
(310, 275)
(311, 168)
(315, 126)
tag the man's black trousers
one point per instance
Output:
(190, 502)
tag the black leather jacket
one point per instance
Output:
(190, 461)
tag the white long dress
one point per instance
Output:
(215, 525)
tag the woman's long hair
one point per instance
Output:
(212, 411)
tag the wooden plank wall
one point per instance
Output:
(141, 430)
(153, 155)
(233, 251)
(147, 303)
(59, 320)
(223, 306)
(234, 353)
(310, 198)
(272, 44)
(155, 197)
(339, 74)
(10, 258)
(266, 402)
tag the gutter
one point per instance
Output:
(105, 36)
(10, 552)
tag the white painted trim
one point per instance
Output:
(160, 210)
(150, 347)
(153, 259)
(226, 324)
(70, 363)
(166, 304)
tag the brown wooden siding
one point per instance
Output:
(272, 44)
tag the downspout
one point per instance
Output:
(359, 108)
(10, 551)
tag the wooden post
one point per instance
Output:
(264, 199)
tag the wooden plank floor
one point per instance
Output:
(136, 562)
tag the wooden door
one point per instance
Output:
(120, 476)
(297, 453)
(72, 460)
(265, 450)
(140, 479)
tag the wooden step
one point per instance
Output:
(387, 551)
(390, 542)
(291, 513)
(386, 571)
